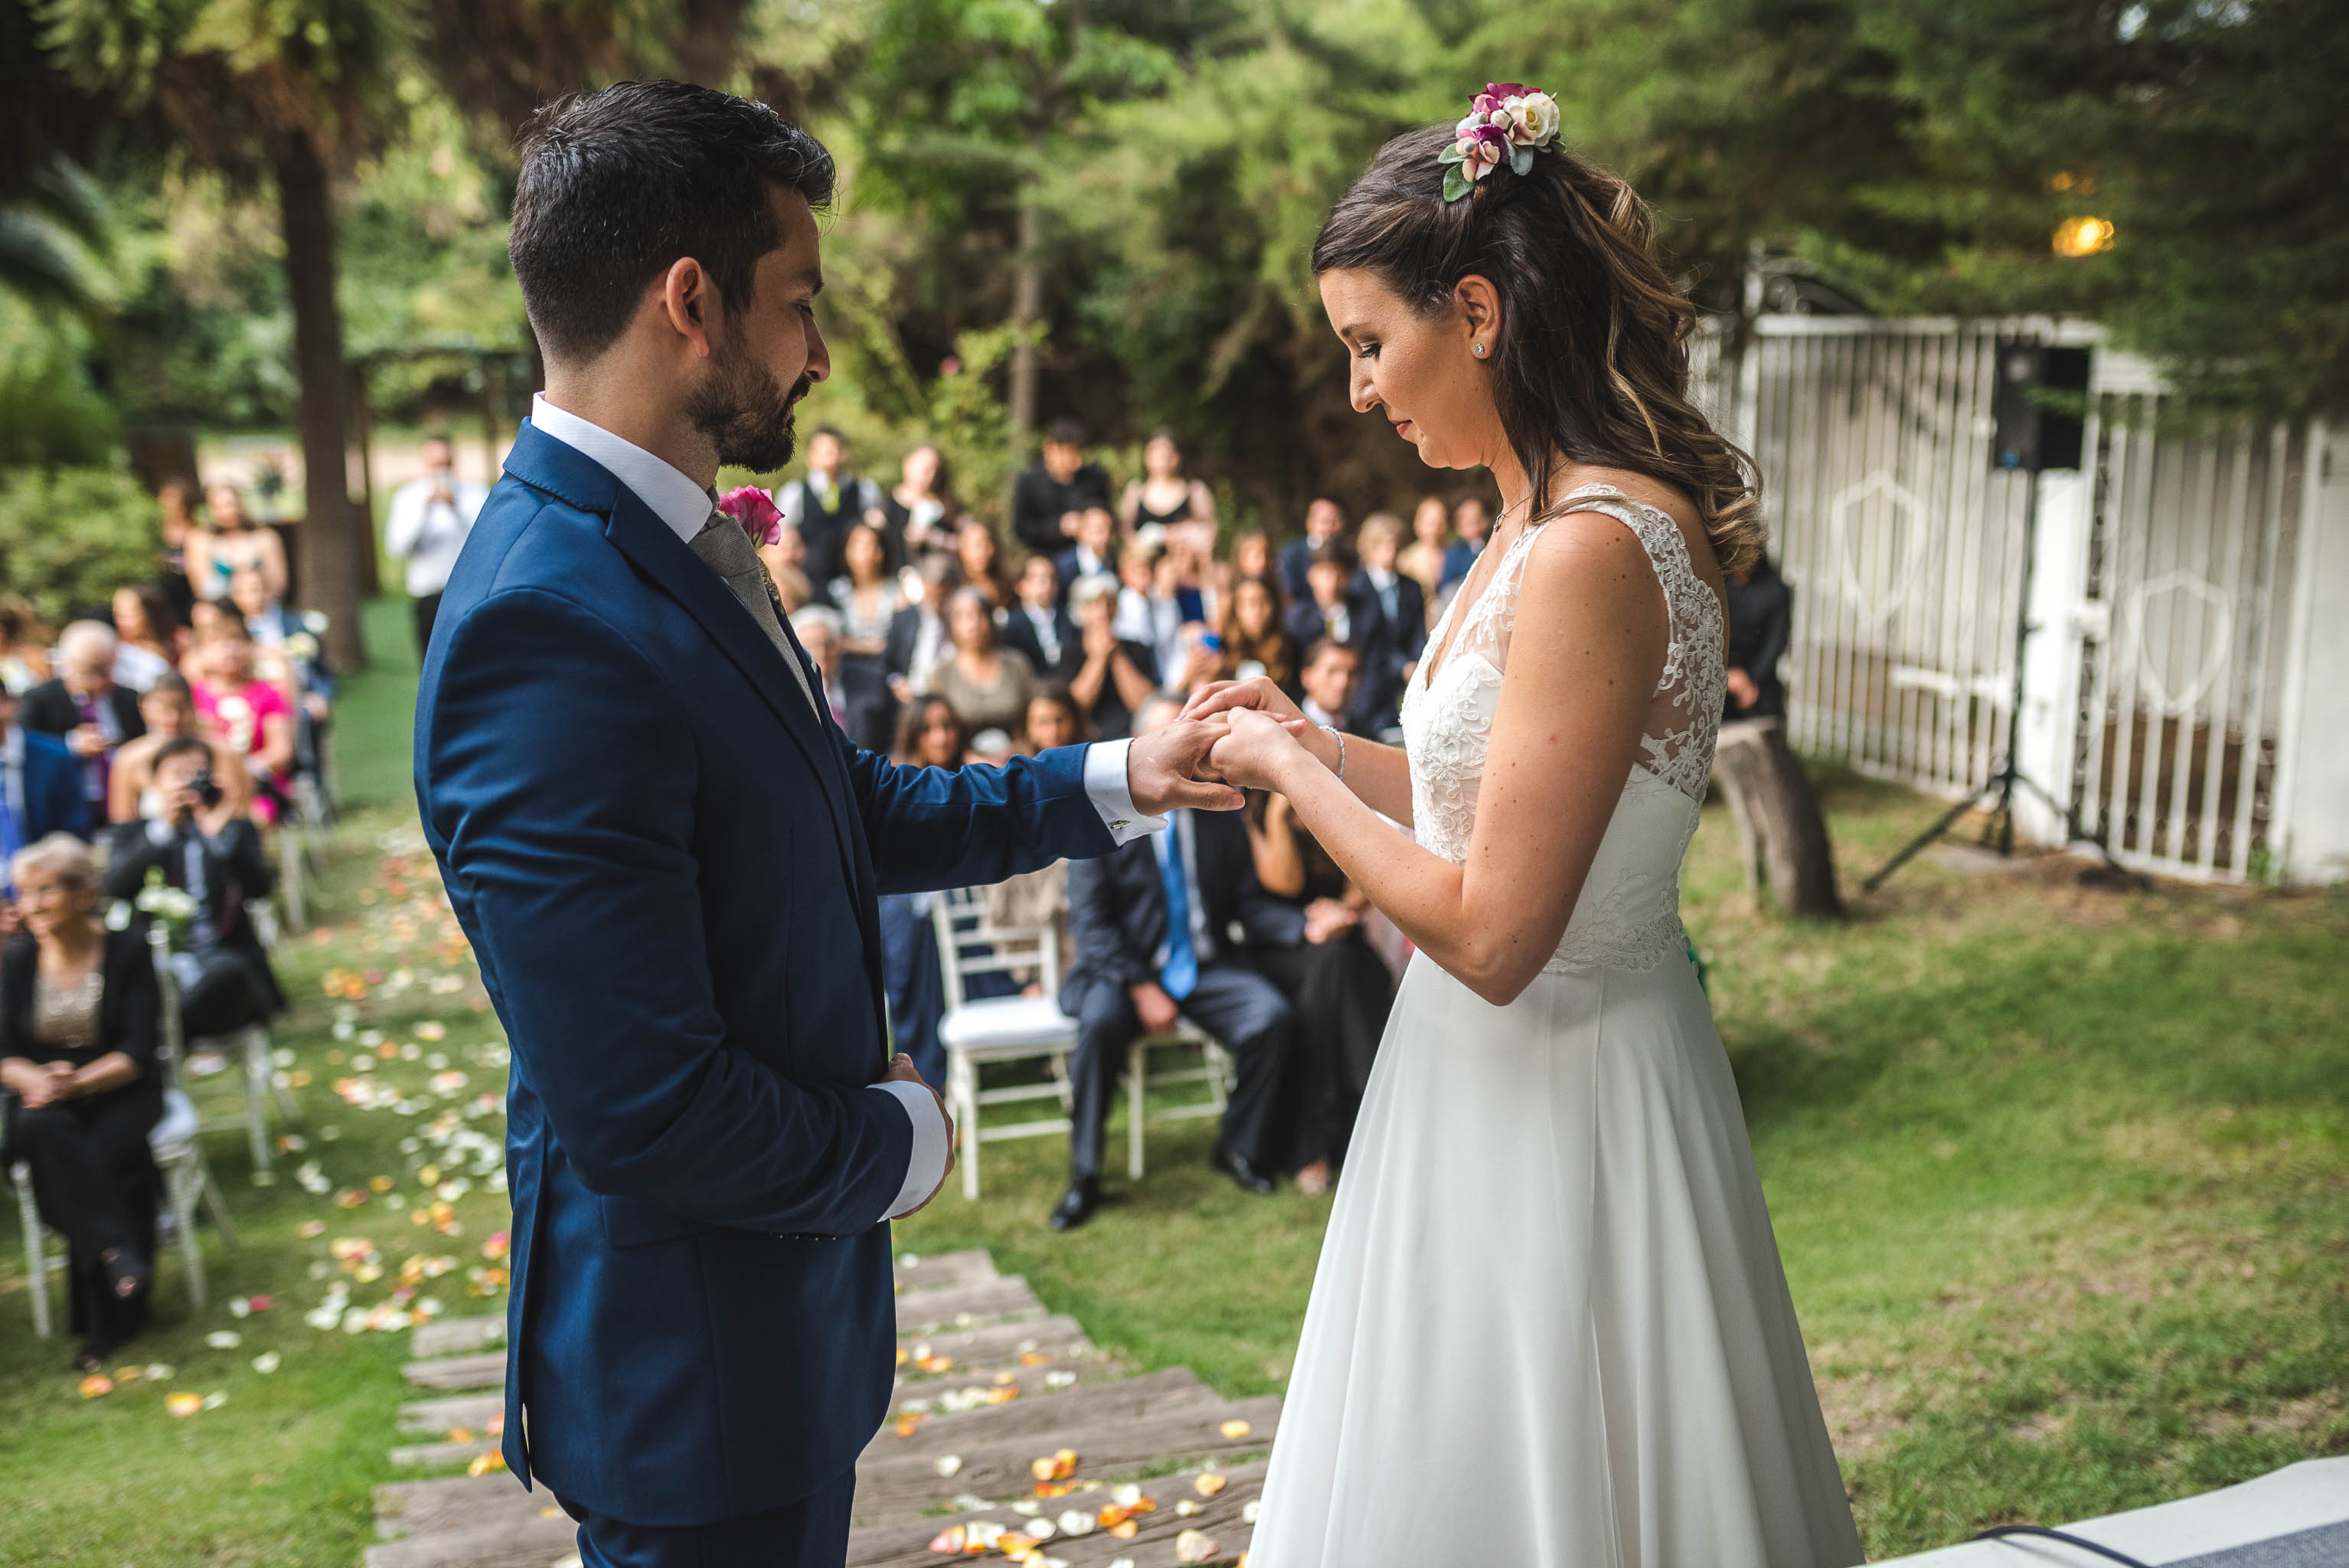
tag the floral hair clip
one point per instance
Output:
(1508, 123)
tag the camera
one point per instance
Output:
(206, 789)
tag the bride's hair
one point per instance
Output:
(1590, 354)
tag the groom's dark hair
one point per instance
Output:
(618, 184)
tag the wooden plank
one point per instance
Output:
(922, 1395)
(456, 1335)
(940, 1271)
(895, 1488)
(442, 1416)
(1130, 1399)
(442, 1455)
(486, 1370)
(996, 1345)
(966, 1305)
(905, 1544)
(404, 1507)
(518, 1542)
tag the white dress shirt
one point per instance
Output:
(428, 533)
(681, 503)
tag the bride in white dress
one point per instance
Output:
(1549, 1328)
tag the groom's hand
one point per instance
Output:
(900, 1070)
(1162, 770)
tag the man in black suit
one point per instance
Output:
(1401, 605)
(1325, 520)
(1094, 555)
(1152, 924)
(84, 708)
(1761, 615)
(1341, 608)
(1038, 625)
(917, 642)
(40, 794)
(1048, 497)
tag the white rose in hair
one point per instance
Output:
(1534, 119)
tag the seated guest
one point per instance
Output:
(1325, 523)
(1401, 610)
(1040, 897)
(1422, 560)
(1254, 642)
(1146, 611)
(43, 789)
(785, 559)
(285, 652)
(987, 683)
(1054, 719)
(929, 736)
(147, 634)
(1335, 608)
(818, 629)
(79, 1028)
(1252, 557)
(980, 560)
(1474, 523)
(825, 504)
(206, 622)
(170, 715)
(918, 640)
(920, 510)
(24, 646)
(84, 708)
(249, 714)
(1201, 659)
(1038, 625)
(1116, 674)
(1048, 499)
(1328, 684)
(206, 849)
(1150, 923)
(1093, 554)
(868, 596)
(1314, 949)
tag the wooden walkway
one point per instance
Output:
(1012, 1440)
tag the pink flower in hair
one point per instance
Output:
(755, 510)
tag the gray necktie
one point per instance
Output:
(726, 549)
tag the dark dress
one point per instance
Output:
(94, 1177)
(1339, 990)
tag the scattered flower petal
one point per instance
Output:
(947, 1464)
(267, 1361)
(1236, 1430)
(183, 1405)
(97, 1385)
(224, 1339)
(1195, 1546)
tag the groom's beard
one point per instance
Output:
(745, 412)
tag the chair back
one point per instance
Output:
(169, 1041)
(968, 945)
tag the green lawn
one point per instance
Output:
(2059, 1176)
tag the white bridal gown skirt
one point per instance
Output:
(1549, 1328)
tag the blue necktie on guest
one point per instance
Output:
(12, 838)
(1180, 974)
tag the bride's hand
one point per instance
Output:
(1258, 751)
(1256, 692)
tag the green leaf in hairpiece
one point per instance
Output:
(1457, 184)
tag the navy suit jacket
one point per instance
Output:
(54, 799)
(667, 862)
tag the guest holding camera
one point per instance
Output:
(78, 1025)
(170, 715)
(206, 849)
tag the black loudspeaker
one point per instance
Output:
(2030, 435)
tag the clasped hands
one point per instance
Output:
(1231, 736)
(42, 1083)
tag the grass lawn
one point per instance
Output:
(2061, 1177)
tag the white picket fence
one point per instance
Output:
(2190, 579)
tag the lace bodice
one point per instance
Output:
(1629, 914)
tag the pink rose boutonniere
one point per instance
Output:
(755, 510)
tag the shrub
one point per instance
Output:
(70, 536)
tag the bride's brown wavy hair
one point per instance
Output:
(1590, 356)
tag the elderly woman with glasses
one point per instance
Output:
(78, 1019)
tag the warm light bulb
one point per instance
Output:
(2083, 236)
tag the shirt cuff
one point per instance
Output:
(927, 1167)
(1106, 787)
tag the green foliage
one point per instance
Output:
(70, 536)
(50, 413)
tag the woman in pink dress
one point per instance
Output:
(249, 715)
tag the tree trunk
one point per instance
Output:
(362, 433)
(328, 569)
(1026, 305)
(1779, 828)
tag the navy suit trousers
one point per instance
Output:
(809, 1533)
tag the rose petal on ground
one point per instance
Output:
(214, 1401)
(1235, 1430)
(484, 1463)
(948, 1540)
(224, 1339)
(947, 1464)
(1195, 1546)
(267, 1361)
(96, 1385)
(1210, 1483)
(183, 1405)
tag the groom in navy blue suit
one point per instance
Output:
(666, 854)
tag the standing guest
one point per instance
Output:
(202, 846)
(1039, 628)
(1252, 557)
(79, 1013)
(920, 507)
(867, 594)
(987, 683)
(1401, 609)
(1254, 642)
(818, 627)
(1325, 522)
(1328, 684)
(980, 560)
(248, 714)
(1146, 611)
(826, 502)
(1333, 606)
(40, 785)
(1312, 946)
(84, 708)
(918, 639)
(1422, 560)
(1471, 520)
(1048, 497)
(1150, 921)
(24, 646)
(170, 712)
(1761, 617)
(1164, 494)
(147, 635)
(929, 736)
(234, 543)
(1054, 719)
(1117, 675)
(431, 516)
(175, 502)
(1094, 553)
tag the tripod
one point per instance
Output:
(2010, 775)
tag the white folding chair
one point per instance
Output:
(1214, 1070)
(186, 1180)
(252, 1049)
(998, 1028)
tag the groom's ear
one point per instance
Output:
(688, 302)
